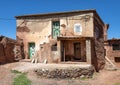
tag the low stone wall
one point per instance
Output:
(68, 72)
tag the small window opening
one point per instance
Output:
(117, 59)
(116, 47)
(77, 28)
(54, 47)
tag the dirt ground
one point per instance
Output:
(104, 77)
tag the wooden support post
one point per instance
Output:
(64, 53)
(59, 50)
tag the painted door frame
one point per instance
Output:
(31, 49)
(55, 29)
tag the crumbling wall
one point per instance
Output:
(7, 46)
(99, 60)
(99, 56)
(23, 29)
(2, 54)
(45, 53)
(9, 53)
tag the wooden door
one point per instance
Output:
(77, 51)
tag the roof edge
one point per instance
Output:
(55, 13)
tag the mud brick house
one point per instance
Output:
(7, 46)
(112, 47)
(75, 36)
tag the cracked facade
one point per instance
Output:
(76, 36)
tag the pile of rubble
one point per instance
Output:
(64, 73)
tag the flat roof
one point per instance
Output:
(56, 13)
(59, 13)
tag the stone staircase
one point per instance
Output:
(109, 65)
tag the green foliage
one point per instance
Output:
(118, 83)
(21, 79)
(84, 78)
(15, 71)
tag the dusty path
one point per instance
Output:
(6, 77)
(104, 77)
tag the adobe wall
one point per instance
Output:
(6, 53)
(2, 54)
(39, 29)
(9, 53)
(111, 54)
(7, 46)
(46, 54)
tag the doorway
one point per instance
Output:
(77, 51)
(31, 49)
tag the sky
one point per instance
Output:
(108, 10)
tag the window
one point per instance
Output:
(55, 29)
(77, 28)
(54, 47)
(115, 46)
(117, 59)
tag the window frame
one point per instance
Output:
(53, 27)
(115, 47)
(54, 47)
(117, 59)
(76, 28)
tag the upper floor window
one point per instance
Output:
(77, 28)
(55, 29)
(115, 46)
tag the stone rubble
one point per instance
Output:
(64, 73)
